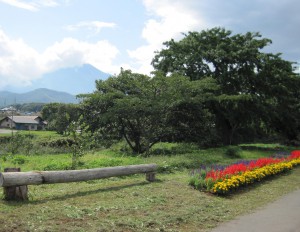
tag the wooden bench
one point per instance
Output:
(15, 182)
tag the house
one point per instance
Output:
(8, 110)
(23, 123)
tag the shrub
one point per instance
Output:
(61, 142)
(57, 166)
(233, 152)
(19, 159)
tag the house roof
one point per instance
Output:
(25, 119)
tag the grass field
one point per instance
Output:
(131, 203)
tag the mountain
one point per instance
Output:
(74, 80)
(41, 95)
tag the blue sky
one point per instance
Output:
(41, 36)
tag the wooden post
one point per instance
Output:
(15, 193)
(150, 176)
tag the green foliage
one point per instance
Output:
(57, 142)
(253, 89)
(57, 166)
(141, 109)
(29, 107)
(233, 152)
(19, 159)
(60, 115)
(199, 182)
(81, 142)
(174, 148)
(15, 143)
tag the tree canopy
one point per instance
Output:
(141, 109)
(254, 86)
(60, 115)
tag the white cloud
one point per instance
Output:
(90, 25)
(31, 5)
(20, 64)
(24, 5)
(72, 52)
(48, 3)
(170, 19)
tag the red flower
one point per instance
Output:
(240, 168)
(294, 154)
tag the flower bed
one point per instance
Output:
(222, 180)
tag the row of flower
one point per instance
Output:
(225, 179)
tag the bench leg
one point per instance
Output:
(15, 193)
(150, 176)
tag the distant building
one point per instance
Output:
(23, 122)
(8, 110)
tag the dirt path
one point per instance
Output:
(282, 215)
(5, 131)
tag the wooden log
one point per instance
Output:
(50, 177)
(15, 193)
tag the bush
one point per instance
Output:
(169, 149)
(58, 143)
(57, 166)
(19, 159)
(233, 152)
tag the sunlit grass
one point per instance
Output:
(132, 204)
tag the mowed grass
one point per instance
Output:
(133, 204)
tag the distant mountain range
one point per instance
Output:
(74, 80)
(58, 86)
(42, 95)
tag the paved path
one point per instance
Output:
(282, 215)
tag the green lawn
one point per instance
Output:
(131, 203)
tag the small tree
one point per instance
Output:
(80, 143)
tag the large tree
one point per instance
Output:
(254, 86)
(139, 108)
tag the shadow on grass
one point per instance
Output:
(75, 195)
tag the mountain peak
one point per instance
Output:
(72, 80)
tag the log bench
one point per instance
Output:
(15, 182)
